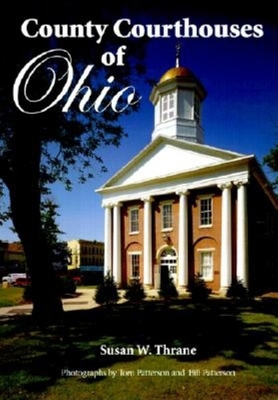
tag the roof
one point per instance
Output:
(177, 72)
(167, 165)
(166, 157)
(182, 77)
(15, 247)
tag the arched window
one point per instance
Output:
(168, 258)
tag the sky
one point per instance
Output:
(240, 114)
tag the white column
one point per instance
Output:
(117, 259)
(107, 239)
(183, 240)
(226, 237)
(242, 235)
(147, 241)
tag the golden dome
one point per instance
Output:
(176, 72)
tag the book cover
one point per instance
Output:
(148, 134)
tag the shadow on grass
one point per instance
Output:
(34, 359)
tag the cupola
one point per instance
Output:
(177, 100)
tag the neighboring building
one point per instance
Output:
(85, 253)
(183, 206)
(12, 256)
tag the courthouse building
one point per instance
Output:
(185, 207)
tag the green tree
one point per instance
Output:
(199, 292)
(135, 291)
(237, 291)
(168, 290)
(39, 149)
(60, 253)
(107, 292)
(271, 161)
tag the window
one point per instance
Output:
(135, 265)
(206, 265)
(197, 109)
(167, 216)
(169, 258)
(168, 107)
(206, 211)
(134, 220)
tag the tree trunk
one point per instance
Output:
(47, 304)
(25, 200)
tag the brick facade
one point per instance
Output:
(200, 238)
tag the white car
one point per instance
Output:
(11, 278)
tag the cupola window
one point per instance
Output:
(168, 106)
(196, 109)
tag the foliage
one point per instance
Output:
(199, 292)
(107, 292)
(65, 286)
(271, 161)
(135, 291)
(28, 293)
(60, 253)
(237, 290)
(49, 214)
(67, 140)
(168, 289)
(43, 141)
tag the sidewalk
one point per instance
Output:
(84, 300)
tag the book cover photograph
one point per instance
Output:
(139, 207)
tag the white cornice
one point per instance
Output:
(182, 144)
(206, 177)
(227, 166)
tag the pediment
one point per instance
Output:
(168, 157)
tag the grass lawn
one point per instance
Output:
(236, 358)
(10, 296)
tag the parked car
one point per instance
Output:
(77, 280)
(11, 278)
(22, 282)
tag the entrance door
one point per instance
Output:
(168, 265)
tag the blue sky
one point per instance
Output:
(240, 114)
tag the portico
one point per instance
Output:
(183, 192)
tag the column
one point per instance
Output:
(183, 240)
(242, 233)
(107, 239)
(226, 237)
(117, 259)
(147, 241)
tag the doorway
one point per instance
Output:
(168, 265)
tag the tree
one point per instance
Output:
(237, 291)
(271, 161)
(107, 292)
(168, 290)
(135, 291)
(199, 292)
(60, 253)
(37, 147)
